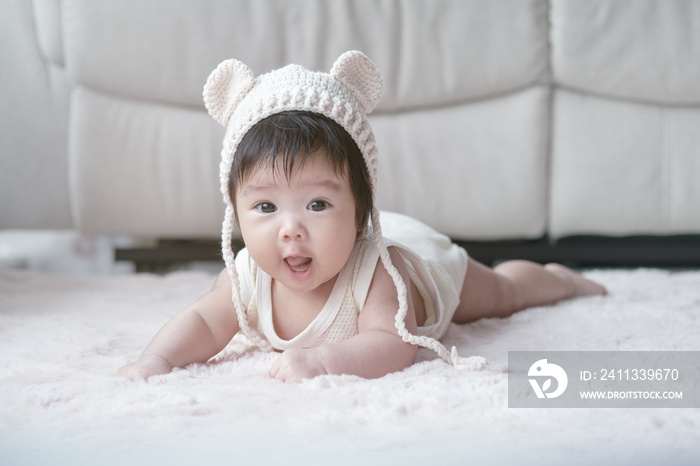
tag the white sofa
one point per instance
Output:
(500, 120)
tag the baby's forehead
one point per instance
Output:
(289, 165)
(315, 167)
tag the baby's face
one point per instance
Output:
(300, 231)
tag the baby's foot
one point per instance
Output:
(580, 285)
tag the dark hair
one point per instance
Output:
(294, 135)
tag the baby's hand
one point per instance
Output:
(296, 364)
(145, 367)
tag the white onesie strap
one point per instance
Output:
(364, 274)
(243, 266)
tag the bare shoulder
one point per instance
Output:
(382, 302)
(217, 305)
(221, 289)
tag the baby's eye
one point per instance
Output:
(318, 206)
(266, 208)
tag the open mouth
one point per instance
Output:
(298, 264)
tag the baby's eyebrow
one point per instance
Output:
(249, 188)
(331, 183)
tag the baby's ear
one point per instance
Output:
(225, 88)
(357, 72)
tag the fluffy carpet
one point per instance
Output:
(62, 339)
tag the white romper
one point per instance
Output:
(437, 267)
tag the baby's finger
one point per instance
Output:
(277, 369)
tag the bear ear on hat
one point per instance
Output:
(360, 76)
(225, 88)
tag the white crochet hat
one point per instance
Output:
(238, 100)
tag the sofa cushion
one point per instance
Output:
(622, 168)
(34, 94)
(463, 101)
(473, 171)
(644, 50)
(429, 53)
(143, 168)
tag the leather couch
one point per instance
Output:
(502, 120)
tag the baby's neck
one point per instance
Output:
(293, 311)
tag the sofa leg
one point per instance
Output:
(169, 255)
(594, 251)
(574, 252)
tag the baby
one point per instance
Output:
(324, 278)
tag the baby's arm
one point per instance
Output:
(375, 351)
(195, 334)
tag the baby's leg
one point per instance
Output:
(516, 285)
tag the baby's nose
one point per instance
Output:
(292, 228)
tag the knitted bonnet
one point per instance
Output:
(238, 100)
